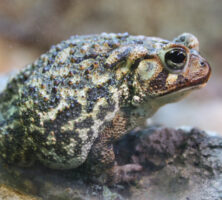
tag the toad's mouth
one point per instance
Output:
(181, 91)
(186, 85)
(178, 95)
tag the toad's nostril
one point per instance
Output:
(203, 64)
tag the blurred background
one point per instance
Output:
(29, 28)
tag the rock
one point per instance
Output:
(7, 193)
(178, 164)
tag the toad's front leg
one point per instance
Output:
(101, 164)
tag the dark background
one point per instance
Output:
(29, 28)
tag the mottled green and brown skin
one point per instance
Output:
(69, 106)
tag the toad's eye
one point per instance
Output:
(175, 59)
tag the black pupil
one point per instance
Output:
(176, 56)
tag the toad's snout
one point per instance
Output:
(198, 71)
(206, 66)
